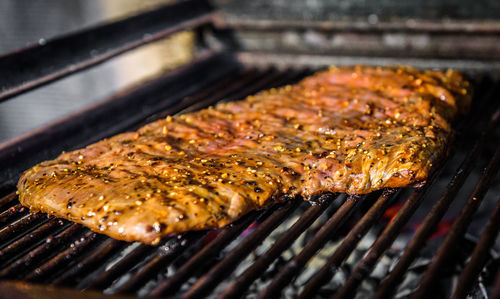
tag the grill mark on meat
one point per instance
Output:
(352, 130)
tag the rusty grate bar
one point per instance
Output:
(459, 226)
(320, 238)
(224, 268)
(348, 244)
(241, 284)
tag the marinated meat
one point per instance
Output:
(350, 129)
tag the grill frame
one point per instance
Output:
(220, 73)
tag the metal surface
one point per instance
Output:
(46, 61)
(373, 13)
(234, 261)
(459, 227)
(210, 280)
(368, 263)
(78, 258)
(362, 25)
(299, 261)
(283, 60)
(372, 41)
(480, 255)
(396, 29)
(241, 284)
(172, 284)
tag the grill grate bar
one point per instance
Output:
(224, 268)
(166, 254)
(320, 238)
(18, 227)
(27, 240)
(496, 288)
(348, 244)
(222, 89)
(235, 89)
(12, 214)
(274, 79)
(102, 252)
(241, 284)
(459, 226)
(8, 199)
(62, 259)
(210, 95)
(385, 240)
(479, 255)
(173, 283)
(231, 88)
(37, 255)
(107, 276)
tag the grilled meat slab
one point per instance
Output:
(352, 130)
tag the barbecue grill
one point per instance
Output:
(408, 242)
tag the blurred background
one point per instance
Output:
(297, 26)
(26, 22)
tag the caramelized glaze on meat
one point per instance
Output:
(352, 130)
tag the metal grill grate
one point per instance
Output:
(41, 249)
(266, 252)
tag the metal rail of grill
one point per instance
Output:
(41, 249)
(63, 56)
